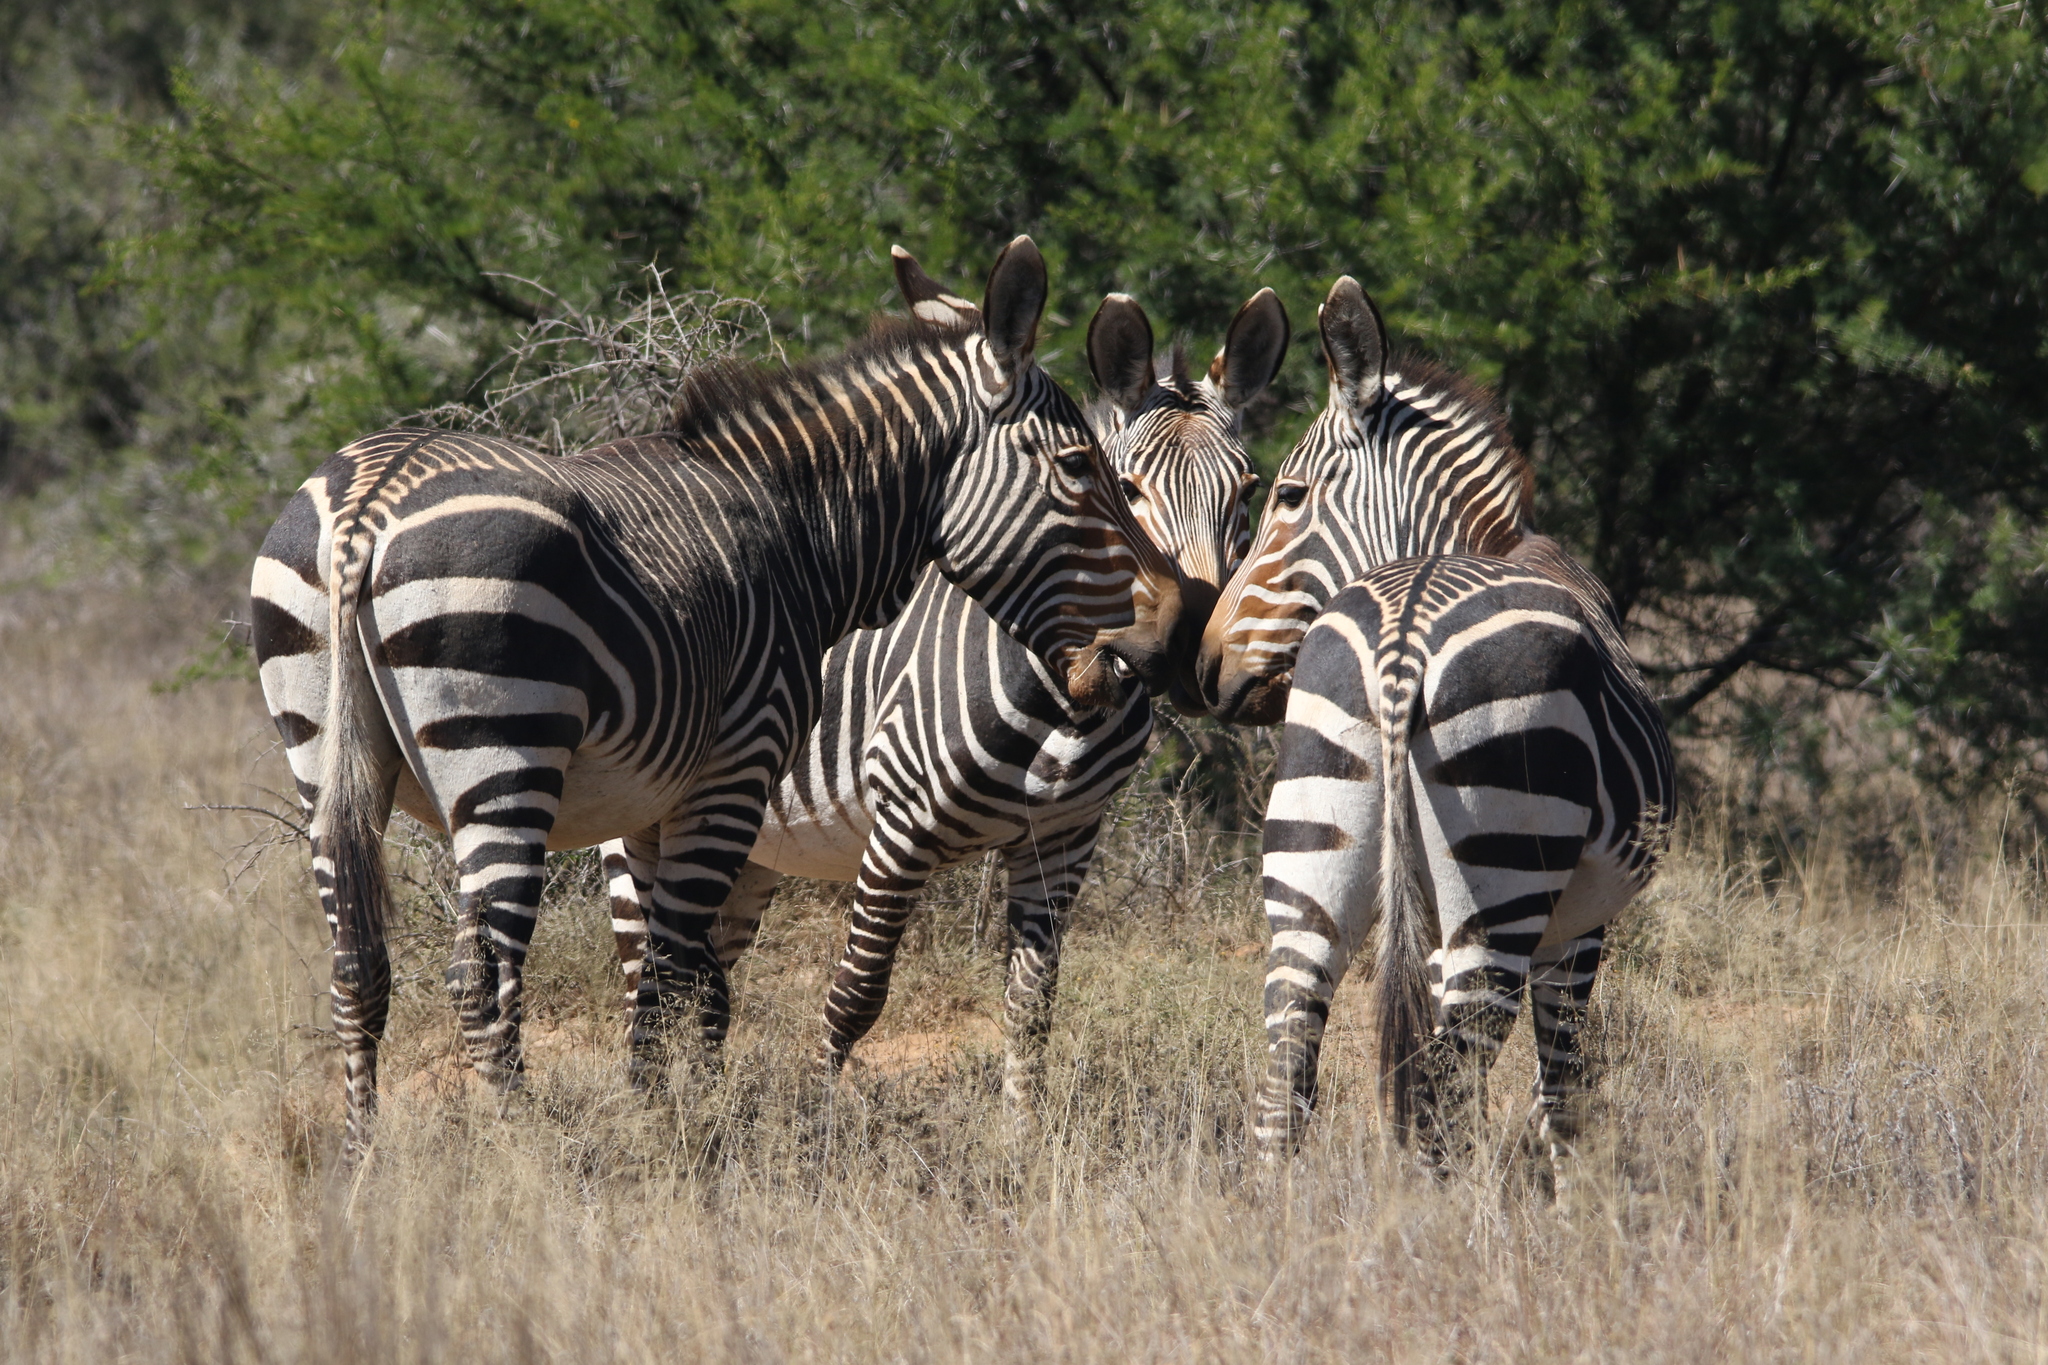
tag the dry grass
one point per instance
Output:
(1821, 1130)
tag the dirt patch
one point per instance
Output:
(900, 1054)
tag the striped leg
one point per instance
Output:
(702, 852)
(1560, 985)
(1481, 996)
(501, 859)
(1322, 868)
(740, 918)
(893, 872)
(629, 877)
(1499, 857)
(1044, 882)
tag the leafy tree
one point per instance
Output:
(1761, 283)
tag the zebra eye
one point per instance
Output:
(1290, 494)
(1251, 486)
(1073, 463)
(1131, 491)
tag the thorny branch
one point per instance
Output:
(576, 377)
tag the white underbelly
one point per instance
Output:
(826, 842)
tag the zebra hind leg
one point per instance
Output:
(501, 867)
(740, 918)
(1479, 1002)
(1044, 883)
(701, 854)
(629, 865)
(1560, 987)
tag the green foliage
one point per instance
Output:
(1761, 283)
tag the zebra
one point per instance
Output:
(942, 739)
(1470, 759)
(528, 652)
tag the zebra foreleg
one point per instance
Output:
(1044, 882)
(892, 874)
(1560, 986)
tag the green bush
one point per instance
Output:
(1761, 284)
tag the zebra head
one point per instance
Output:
(1177, 450)
(1403, 461)
(1032, 525)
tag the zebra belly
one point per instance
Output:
(825, 843)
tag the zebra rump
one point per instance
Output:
(1471, 763)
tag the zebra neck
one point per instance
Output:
(854, 462)
(1448, 481)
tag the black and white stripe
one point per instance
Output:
(1471, 760)
(534, 653)
(942, 739)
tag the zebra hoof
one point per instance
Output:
(501, 1078)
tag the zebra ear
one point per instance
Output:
(1355, 345)
(1120, 352)
(928, 299)
(1252, 350)
(1015, 299)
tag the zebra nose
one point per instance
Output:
(1208, 669)
(1151, 650)
(1198, 600)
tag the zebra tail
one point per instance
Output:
(1404, 1006)
(353, 805)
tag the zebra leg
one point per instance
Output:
(740, 919)
(1045, 880)
(629, 865)
(702, 852)
(1479, 1003)
(1323, 837)
(1499, 858)
(893, 872)
(501, 859)
(1560, 986)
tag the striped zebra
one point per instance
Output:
(533, 653)
(1471, 760)
(942, 739)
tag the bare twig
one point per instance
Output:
(577, 377)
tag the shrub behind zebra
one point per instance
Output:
(1471, 761)
(532, 652)
(943, 738)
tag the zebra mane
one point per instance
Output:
(1470, 405)
(1174, 371)
(717, 391)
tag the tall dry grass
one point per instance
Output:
(1820, 1130)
